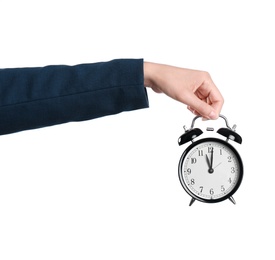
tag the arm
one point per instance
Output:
(191, 87)
(37, 97)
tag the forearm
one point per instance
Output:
(38, 97)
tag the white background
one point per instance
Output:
(108, 188)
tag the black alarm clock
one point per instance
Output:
(210, 169)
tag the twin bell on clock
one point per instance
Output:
(210, 169)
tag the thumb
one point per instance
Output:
(203, 109)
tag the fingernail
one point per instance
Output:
(212, 115)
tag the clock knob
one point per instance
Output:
(189, 135)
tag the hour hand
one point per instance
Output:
(208, 162)
(210, 170)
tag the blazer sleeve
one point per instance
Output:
(37, 97)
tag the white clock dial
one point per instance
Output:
(210, 170)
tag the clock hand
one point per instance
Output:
(208, 162)
(211, 165)
(210, 170)
(217, 165)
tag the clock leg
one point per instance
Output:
(232, 200)
(191, 202)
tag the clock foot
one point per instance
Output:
(232, 200)
(191, 202)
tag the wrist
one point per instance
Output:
(152, 74)
(148, 74)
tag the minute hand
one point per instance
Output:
(211, 170)
(211, 163)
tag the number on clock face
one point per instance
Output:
(210, 170)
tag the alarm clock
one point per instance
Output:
(210, 169)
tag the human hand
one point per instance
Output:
(192, 87)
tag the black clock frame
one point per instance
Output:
(180, 173)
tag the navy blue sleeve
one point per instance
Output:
(37, 97)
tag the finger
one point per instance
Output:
(192, 110)
(217, 106)
(209, 93)
(202, 108)
(215, 99)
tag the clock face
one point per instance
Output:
(210, 170)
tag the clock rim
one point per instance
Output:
(189, 148)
